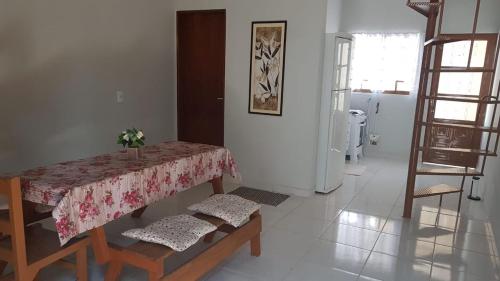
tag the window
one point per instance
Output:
(382, 61)
(456, 54)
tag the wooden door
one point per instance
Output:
(201, 50)
(450, 78)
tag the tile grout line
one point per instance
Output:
(373, 247)
(379, 234)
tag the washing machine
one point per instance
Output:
(357, 134)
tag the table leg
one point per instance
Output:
(217, 185)
(81, 265)
(100, 245)
(138, 213)
(218, 188)
(114, 271)
(104, 254)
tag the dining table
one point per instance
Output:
(87, 194)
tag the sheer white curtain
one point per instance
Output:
(380, 59)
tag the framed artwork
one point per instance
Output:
(267, 67)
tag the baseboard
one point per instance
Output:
(375, 153)
(289, 190)
(230, 180)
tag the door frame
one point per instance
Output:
(179, 107)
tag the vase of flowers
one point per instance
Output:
(133, 140)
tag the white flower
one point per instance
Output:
(125, 137)
(140, 135)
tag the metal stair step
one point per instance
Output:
(439, 40)
(423, 3)
(462, 99)
(462, 69)
(460, 126)
(435, 190)
(460, 150)
(440, 170)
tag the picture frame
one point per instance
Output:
(267, 67)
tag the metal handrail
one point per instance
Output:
(493, 118)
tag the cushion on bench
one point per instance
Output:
(177, 232)
(231, 208)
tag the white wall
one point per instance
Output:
(60, 65)
(275, 153)
(380, 16)
(393, 122)
(395, 16)
(459, 16)
(333, 16)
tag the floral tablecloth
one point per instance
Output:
(89, 193)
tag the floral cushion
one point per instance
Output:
(230, 208)
(177, 232)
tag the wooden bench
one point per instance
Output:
(151, 257)
(30, 249)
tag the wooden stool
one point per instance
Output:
(31, 249)
(151, 257)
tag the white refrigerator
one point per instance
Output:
(334, 113)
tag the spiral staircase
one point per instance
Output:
(485, 129)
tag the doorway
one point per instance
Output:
(452, 79)
(201, 52)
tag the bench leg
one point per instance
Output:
(114, 270)
(217, 186)
(255, 246)
(30, 275)
(155, 271)
(81, 265)
(154, 276)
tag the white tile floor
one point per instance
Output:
(355, 233)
